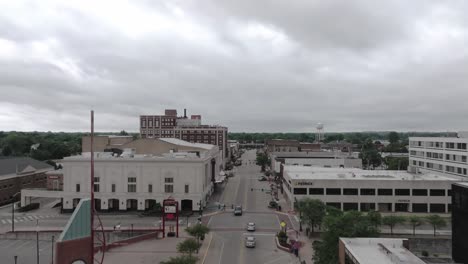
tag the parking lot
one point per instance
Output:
(25, 250)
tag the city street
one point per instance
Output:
(229, 231)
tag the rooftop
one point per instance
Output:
(312, 154)
(463, 184)
(19, 165)
(319, 173)
(380, 251)
(186, 143)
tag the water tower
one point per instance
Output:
(319, 134)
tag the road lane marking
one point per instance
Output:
(209, 221)
(221, 254)
(4, 221)
(9, 221)
(242, 251)
(259, 234)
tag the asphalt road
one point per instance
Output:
(229, 231)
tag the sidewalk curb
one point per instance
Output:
(207, 248)
(285, 249)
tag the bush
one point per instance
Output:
(424, 253)
(283, 238)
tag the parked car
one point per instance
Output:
(250, 241)
(262, 178)
(273, 204)
(251, 226)
(238, 210)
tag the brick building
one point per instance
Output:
(190, 129)
(18, 173)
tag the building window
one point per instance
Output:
(168, 188)
(419, 192)
(437, 192)
(300, 191)
(316, 191)
(96, 184)
(334, 191)
(365, 207)
(402, 192)
(347, 191)
(169, 180)
(187, 188)
(385, 192)
(367, 191)
(150, 188)
(350, 206)
(450, 145)
(78, 187)
(437, 208)
(143, 123)
(113, 187)
(131, 186)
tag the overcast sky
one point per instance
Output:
(263, 66)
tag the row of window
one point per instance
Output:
(434, 166)
(398, 207)
(372, 192)
(132, 187)
(448, 145)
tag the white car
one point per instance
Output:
(251, 227)
(250, 242)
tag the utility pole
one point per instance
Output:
(91, 252)
(16, 259)
(37, 241)
(53, 238)
(13, 217)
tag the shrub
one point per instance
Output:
(424, 253)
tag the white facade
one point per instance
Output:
(365, 190)
(137, 182)
(439, 154)
(326, 159)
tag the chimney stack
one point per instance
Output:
(185, 113)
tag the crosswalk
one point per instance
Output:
(25, 218)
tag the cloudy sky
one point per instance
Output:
(250, 65)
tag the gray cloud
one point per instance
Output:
(249, 65)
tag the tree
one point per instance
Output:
(415, 221)
(312, 211)
(185, 259)
(336, 225)
(123, 133)
(6, 151)
(370, 155)
(392, 221)
(375, 218)
(199, 231)
(262, 160)
(393, 137)
(394, 163)
(436, 221)
(188, 246)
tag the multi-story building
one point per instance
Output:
(18, 173)
(447, 155)
(371, 250)
(190, 129)
(184, 171)
(459, 222)
(326, 159)
(366, 190)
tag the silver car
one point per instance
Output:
(251, 226)
(250, 242)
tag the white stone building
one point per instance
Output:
(365, 190)
(446, 155)
(137, 182)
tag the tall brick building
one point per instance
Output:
(190, 129)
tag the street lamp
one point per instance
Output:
(13, 212)
(16, 259)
